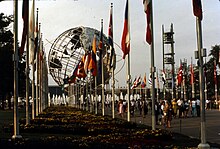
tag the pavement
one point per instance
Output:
(189, 126)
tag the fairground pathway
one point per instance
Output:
(189, 126)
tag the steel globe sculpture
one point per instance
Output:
(68, 49)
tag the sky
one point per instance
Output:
(57, 16)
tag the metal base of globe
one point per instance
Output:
(203, 146)
(16, 137)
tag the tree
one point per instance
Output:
(214, 54)
(6, 62)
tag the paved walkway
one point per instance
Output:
(189, 126)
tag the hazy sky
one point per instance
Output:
(57, 16)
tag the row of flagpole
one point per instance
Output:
(125, 44)
(34, 43)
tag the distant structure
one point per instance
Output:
(68, 49)
(168, 60)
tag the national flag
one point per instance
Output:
(125, 42)
(136, 82)
(86, 60)
(144, 82)
(192, 74)
(25, 12)
(197, 8)
(215, 74)
(100, 51)
(147, 10)
(31, 33)
(72, 78)
(81, 71)
(133, 85)
(163, 77)
(36, 39)
(180, 75)
(93, 64)
(150, 79)
(110, 38)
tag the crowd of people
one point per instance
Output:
(165, 110)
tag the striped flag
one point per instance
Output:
(144, 82)
(147, 10)
(180, 75)
(86, 60)
(110, 38)
(192, 74)
(25, 12)
(197, 8)
(125, 42)
(93, 64)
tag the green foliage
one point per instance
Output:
(6, 53)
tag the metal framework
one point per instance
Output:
(68, 49)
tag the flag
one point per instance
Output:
(80, 70)
(125, 42)
(72, 78)
(36, 39)
(144, 82)
(25, 12)
(86, 60)
(192, 74)
(31, 33)
(100, 51)
(110, 38)
(197, 8)
(147, 10)
(93, 64)
(163, 77)
(136, 82)
(215, 74)
(180, 75)
(133, 85)
(150, 79)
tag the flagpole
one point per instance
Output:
(112, 62)
(203, 144)
(103, 83)
(192, 81)
(152, 69)
(96, 105)
(27, 68)
(16, 121)
(37, 67)
(33, 74)
(128, 69)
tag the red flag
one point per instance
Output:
(25, 12)
(125, 42)
(192, 74)
(93, 64)
(215, 74)
(81, 71)
(72, 78)
(147, 10)
(144, 83)
(110, 38)
(180, 75)
(197, 8)
(86, 60)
